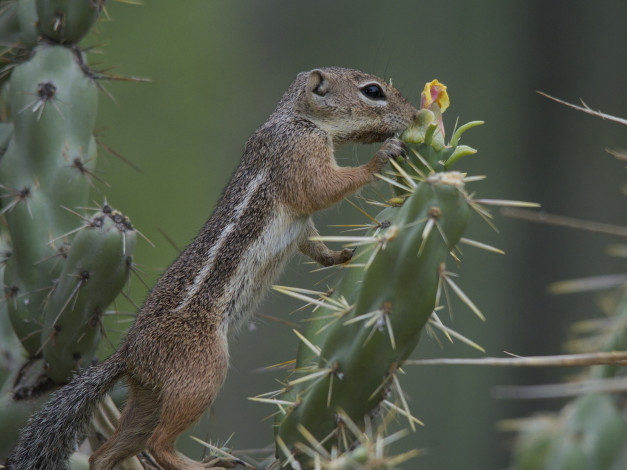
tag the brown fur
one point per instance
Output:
(175, 356)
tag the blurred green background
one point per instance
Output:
(218, 68)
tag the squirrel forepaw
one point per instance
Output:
(392, 148)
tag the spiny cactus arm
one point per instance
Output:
(363, 350)
(53, 105)
(45, 168)
(591, 429)
(97, 268)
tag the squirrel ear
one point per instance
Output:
(317, 83)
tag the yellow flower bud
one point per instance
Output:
(434, 93)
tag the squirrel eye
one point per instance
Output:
(373, 91)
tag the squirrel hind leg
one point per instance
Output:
(318, 251)
(177, 414)
(184, 397)
(137, 423)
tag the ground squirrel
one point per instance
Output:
(175, 355)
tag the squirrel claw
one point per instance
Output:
(345, 255)
(392, 148)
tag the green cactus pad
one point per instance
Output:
(67, 21)
(96, 269)
(392, 302)
(45, 170)
(590, 432)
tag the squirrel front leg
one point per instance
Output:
(391, 148)
(320, 182)
(319, 252)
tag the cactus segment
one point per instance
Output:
(17, 24)
(54, 108)
(96, 269)
(10, 350)
(27, 18)
(27, 276)
(6, 132)
(46, 168)
(590, 432)
(393, 300)
(67, 21)
(18, 34)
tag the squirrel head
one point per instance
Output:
(351, 106)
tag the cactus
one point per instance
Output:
(96, 269)
(56, 287)
(63, 268)
(67, 21)
(347, 365)
(392, 303)
(591, 431)
(45, 169)
(18, 33)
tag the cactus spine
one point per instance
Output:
(347, 365)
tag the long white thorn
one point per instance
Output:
(482, 246)
(402, 412)
(404, 404)
(450, 332)
(464, 298)
(309, 377)
(393, 182)
(506, 203)
(310, 300)
(315, 349)
(288, 455)
(272, 401)
(404, 174)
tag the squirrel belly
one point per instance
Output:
(175, 355)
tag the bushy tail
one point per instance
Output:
(52, 434)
